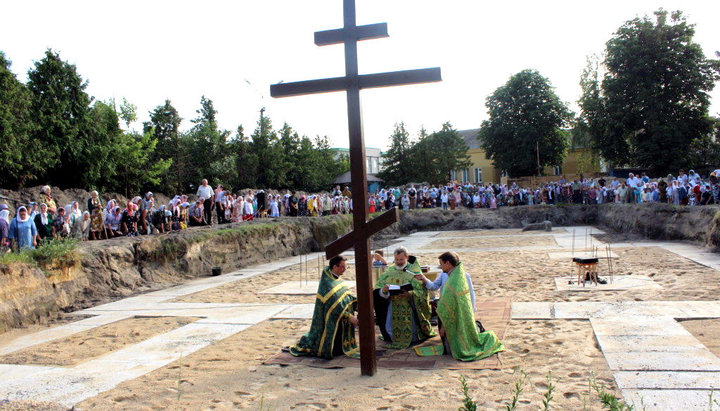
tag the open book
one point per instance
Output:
(398, 289)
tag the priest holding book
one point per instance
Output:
(402, 307)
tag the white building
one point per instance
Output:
(373, 158)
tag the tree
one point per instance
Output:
(440, 153)
(270, 157)
(128, 113)
(24, 159)
(62, 111)
(704, 152)
(165, 125)
(206, 147)
(653, 100)
(526, 118)
(245, 160)
(397, 162)
(136, 169)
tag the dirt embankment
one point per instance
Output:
(112, 269)
(700, 225)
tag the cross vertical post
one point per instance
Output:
(368, 361)
(363, 229)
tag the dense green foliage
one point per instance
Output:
(430, 159)
(397, 162)
(652, 101)
(526, 121)
(53, 132)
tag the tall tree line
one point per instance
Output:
(646, 102)
(430, 158)
(53, 132)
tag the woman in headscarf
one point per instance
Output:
(46, 197)
(112, 222)
(237, 209)
(274, 210)
(85, 226)
(302, 206)
(23, 230)
(129, 219)
(95, 208)
(4, 226)
(74, 216)
(184, 215)
(43, 222)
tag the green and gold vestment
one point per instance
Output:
(333, 305)
(402, 308)
(456, 314)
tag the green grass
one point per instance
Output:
(468, 403)
(22, 257)
(59, 252)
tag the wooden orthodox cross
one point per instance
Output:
(352, 82)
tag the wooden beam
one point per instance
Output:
(300, 88)
(399, 78)
(358, 234)
(367, 32)
(328, 85)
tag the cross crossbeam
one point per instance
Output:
(337, 36)
(393, 78)
(352, 83)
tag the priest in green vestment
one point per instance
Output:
(459, 332)
(332, 332)
(403, 316)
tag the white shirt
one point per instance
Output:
(248, 208)
(206, 192)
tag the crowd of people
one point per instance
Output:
(45, 219)
(685, 189)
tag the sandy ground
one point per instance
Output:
(492, 242)
(520, 275)
(707, 331)
(230, 374)
(246, 291)
(82, 346)
(495, 232)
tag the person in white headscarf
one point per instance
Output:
(22, 230)
(4, 228)
(43, 222)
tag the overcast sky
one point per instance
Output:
(232, 51)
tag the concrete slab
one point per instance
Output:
(619, 282)
(532, 311)
(687, 380)
(637, 325)
(297, 311)
(651, 400)
(299, 288)
(583, 310)
(647, 343)
(689, 360)
(243, 315)
(61, 331)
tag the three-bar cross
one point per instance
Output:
(352, 82)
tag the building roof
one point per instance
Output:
(345, 178)
(470, 137)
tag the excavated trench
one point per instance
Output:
(108, 270)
